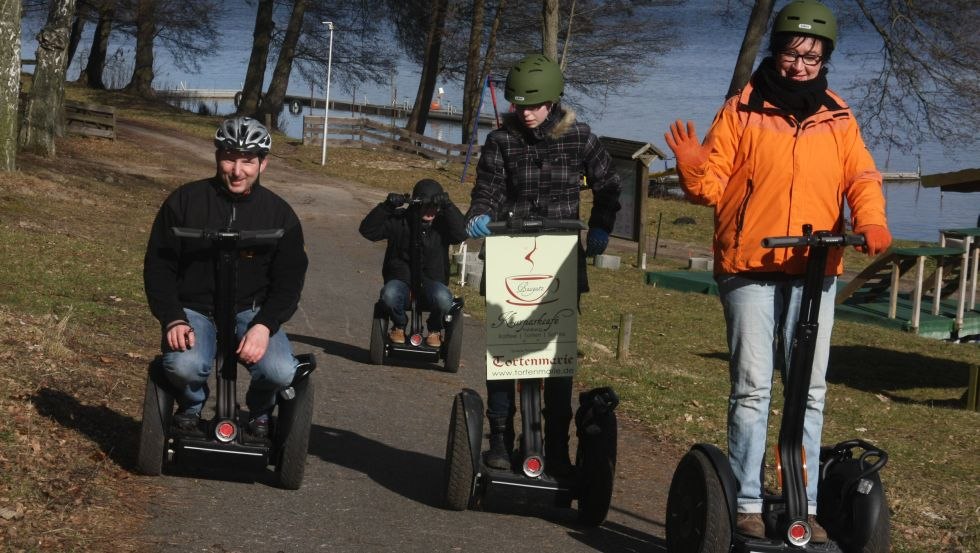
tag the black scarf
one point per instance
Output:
(800, 98)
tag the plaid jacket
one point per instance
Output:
(538, 171)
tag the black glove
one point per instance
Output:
(395, 199)
(440, 200)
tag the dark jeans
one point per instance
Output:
(557, 400)
(438, 298)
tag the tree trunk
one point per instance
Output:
(92, 75)
(75, 36)
(430, 69)
(754, 32)
(549, 29)
(43, 110)
(255, 76)
(272, 104)
(10, 84)
(474, 80)
(142, 81)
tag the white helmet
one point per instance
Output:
(243, 134)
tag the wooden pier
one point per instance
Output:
(295, 104)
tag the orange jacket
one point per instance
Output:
(767, 175)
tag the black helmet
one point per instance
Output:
(426, 190)
(243, 134)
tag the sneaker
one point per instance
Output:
(259, 427)
(187, 423)
(397, 335)
(750, 524)
(433, 340)
(817, 532)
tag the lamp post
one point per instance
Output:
(326, 107)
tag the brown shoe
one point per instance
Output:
(433, 340)
(750, 524)
(817, 532)
(397, 336)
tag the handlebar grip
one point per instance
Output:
(535, 225)
(267, 234)
(784, 241)
(816, 239)
(185, 232)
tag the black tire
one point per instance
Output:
(698, 520)
(158, 407)
(293, 435)
(454, 346)
(378, 329)
(458, 468)
(880, 540)
(596, 464)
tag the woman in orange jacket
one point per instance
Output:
(784, 152)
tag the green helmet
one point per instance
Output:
(806, 17)
(534, 80)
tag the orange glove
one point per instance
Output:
(687, 149)
(877, 238)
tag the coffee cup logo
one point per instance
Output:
(531, 289)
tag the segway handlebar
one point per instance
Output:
(820, 238)
(530, 225)
(228, 234)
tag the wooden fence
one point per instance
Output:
(361, 132)
(90, 120)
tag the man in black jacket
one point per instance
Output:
(179, 277)
(442, 225)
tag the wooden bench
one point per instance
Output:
(90, 120)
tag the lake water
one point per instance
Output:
(689, 83)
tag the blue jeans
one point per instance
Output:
(188, 370)
(761, 314)
(438, 298)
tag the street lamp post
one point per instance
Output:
(326, 107)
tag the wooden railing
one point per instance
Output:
(361, 132)
(90, 120)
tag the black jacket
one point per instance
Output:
(385, 222)
(179, 272)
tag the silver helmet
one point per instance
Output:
(243, 134)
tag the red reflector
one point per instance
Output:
(416, 339)
(226, 430)
(534, 464)
(797, 531)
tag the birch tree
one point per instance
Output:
(44, 105)
(10, 83)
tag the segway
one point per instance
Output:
(528, 304)
(221, 441)
(415, 349)
(701, 505)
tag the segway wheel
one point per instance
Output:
(378, 330)
(458, 469)
(880, 539)
(158, 406)
(697, 514)
(596, 464)
(454, 346)
(293, 435)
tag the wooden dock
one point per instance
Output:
(295, 104)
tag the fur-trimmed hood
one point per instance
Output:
(559, 121)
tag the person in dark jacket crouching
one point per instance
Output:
(179, 277)
(442, 225)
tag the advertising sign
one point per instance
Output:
(532, 294)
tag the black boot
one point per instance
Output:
(499, 455)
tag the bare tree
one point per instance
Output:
(272, 104)
(477, 72)
(42, 111)
(430, 68)
(549, 29)
(255, 74)
(91, 76)
(754, 33)
(141, 83)
(10, 84)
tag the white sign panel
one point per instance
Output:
(532, 295)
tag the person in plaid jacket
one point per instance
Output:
(536, 164)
